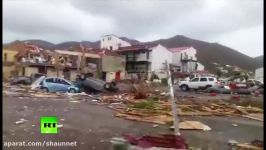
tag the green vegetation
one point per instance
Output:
(164, 81)
(149, 104)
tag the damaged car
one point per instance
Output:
(55, 84)
(25, 80)
(90, 84)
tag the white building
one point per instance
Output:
(112, 42)
(185, 59)
(200, 67)
(145, 60)
(259, 74)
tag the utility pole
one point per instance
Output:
(172, 99)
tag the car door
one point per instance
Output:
(193, 83)
(50, 83)
(64, 85)
(203, 82)
(58, 85)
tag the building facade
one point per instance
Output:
(259, 74)
(112, 42)
(9, 63)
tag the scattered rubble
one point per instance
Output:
(60, 126)
(161, 141)
(192, 125)
(254, 145)
(21, 121)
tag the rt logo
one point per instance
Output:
(49, 125)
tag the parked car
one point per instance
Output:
(90, 84)
(20, 80)
(26, 80)
(221, 90)
(198, 83)
(55, 84)
(35, 76)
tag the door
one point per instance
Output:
(51, 84)
(62, 85)
(203, 82)
(65, 85)
(117, 76)
(193, 83)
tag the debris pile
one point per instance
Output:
(160, 111)
(254, 145)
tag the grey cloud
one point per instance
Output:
(141, 19)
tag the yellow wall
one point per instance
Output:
(10, 58)
(30, 70)
(7, 72)
(10, 55)
(51, 72)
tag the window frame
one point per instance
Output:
(210, 78)
(203, 81)
(192, 80)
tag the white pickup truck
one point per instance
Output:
(198, 83)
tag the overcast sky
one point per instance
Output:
(234, 23)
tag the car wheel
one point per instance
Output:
(72, 91)
(45, 89)
(184, 87)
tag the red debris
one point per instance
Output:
(213, 94)
(235, 97)
(165, 141)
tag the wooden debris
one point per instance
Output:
(248, 147)
(258, 116)
(193, 125)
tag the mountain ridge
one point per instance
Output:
(207, 52)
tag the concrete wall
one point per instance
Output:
(7, 72)
(10, 55)
(113, 64)
(176, 59)
(110, 76)
(159, 55)
(111, 40)
(30, 70)
(200, 67)
(259, 74)
(143, 57)
(52, 72)
(191, 54)
(73, 75)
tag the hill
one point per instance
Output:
(207, 53)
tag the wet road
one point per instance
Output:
(92, 126)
